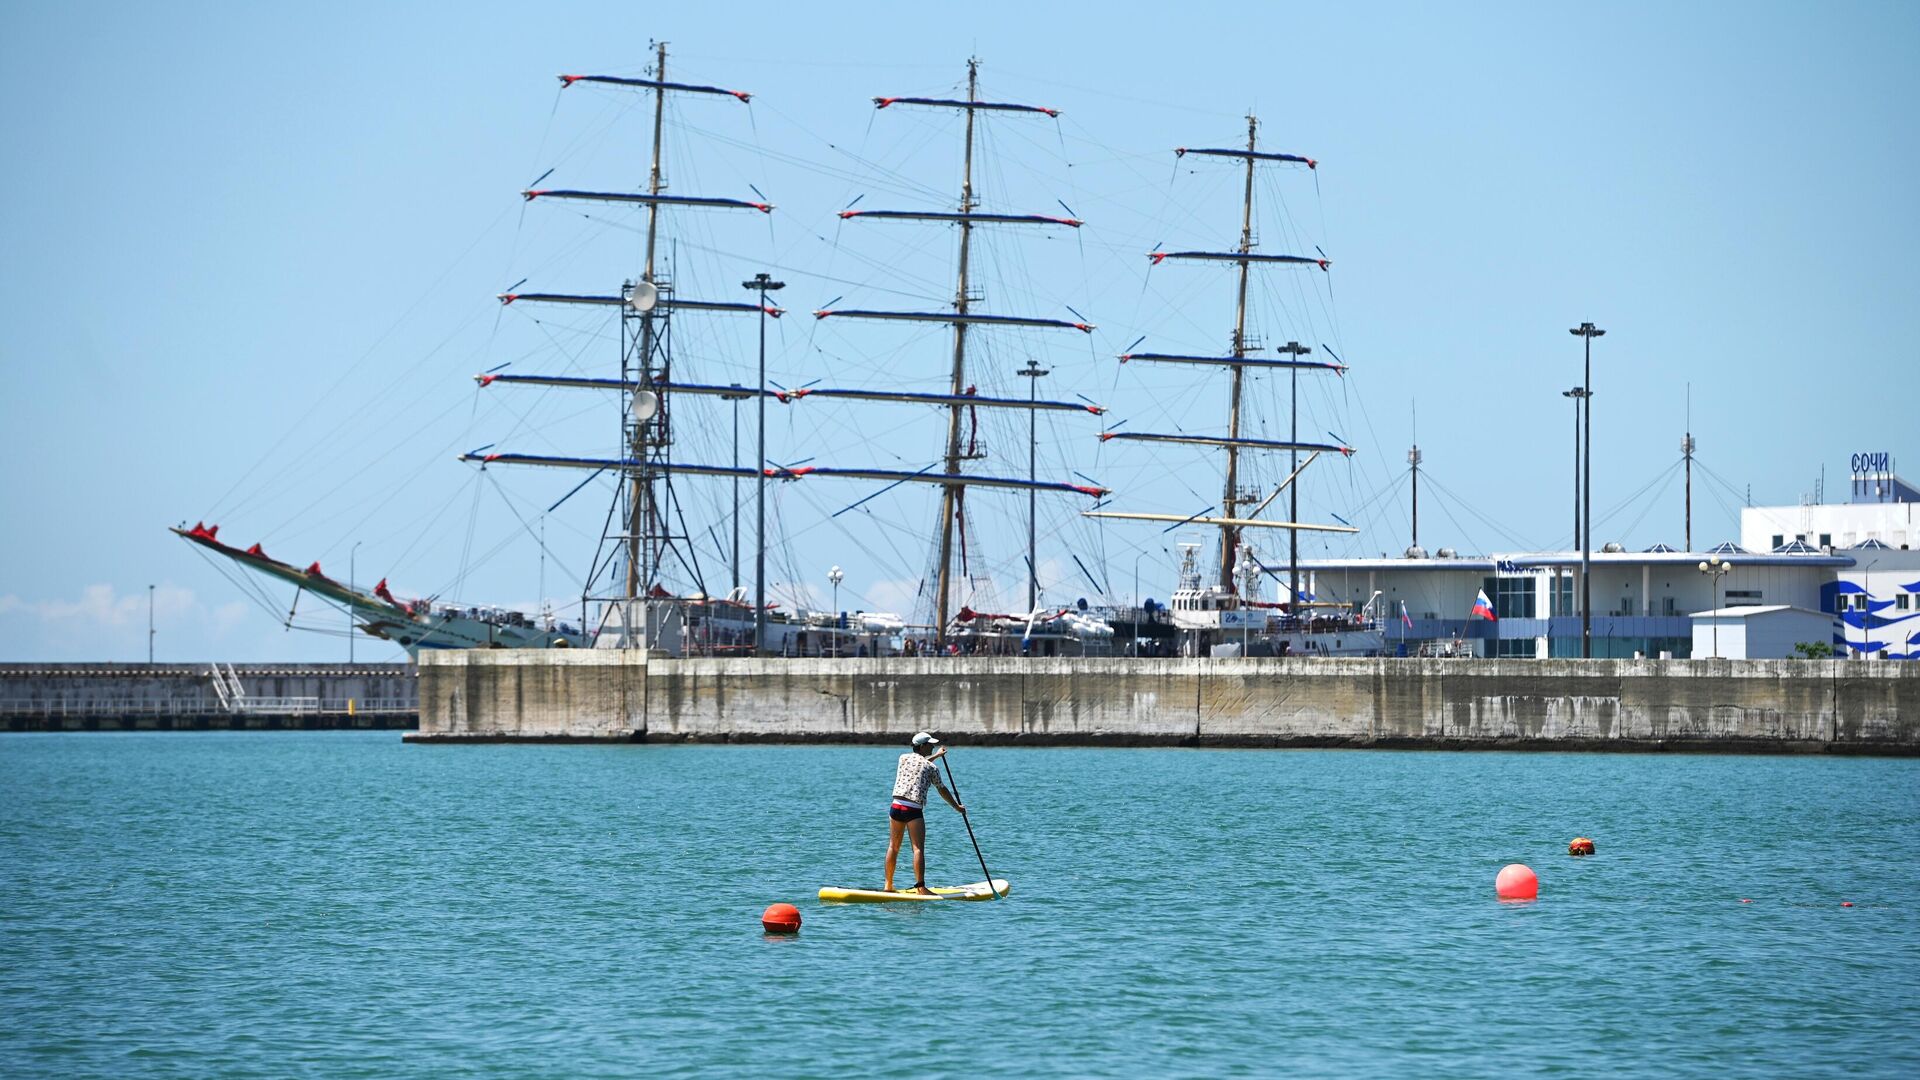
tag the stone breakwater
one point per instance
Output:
(606, 695)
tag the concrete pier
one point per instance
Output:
(599, 695)
(141, 697)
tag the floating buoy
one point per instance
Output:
(1744, 900)
(1846, 903)
(1517, 882)
(1580, 846)
(781, 919)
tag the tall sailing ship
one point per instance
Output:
(647, 586)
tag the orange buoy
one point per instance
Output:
(1517, 882)
(1580, 846)
(781, 919)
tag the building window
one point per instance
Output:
(1513, 597)
(1900, 602)
(1826, 539)
(1742, 598)
(1859, 601)
(1517, 648)
(1668, 606)
(1778, 540)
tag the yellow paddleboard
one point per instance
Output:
(979, 890)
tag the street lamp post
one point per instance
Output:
(1716, 568)
(149, 626)
(1033, 371)
(1589, 331)
(1136, 602)
(762, 284)
(836, 577)
(1578, 394)
(351, 552)
(1866, 609)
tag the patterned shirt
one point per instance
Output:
(910, 782)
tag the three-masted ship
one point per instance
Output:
(647, 586)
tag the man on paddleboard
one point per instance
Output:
(916, 773)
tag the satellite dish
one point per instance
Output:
(645, 404)
(643, 296)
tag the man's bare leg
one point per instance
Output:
(917, 829)
(893, 852)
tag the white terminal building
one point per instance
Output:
(1846, 575)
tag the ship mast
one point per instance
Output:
(1230, 521)
(952, 494)
(1230, 498)
(644, 534)
(640, 502)
(953, 482)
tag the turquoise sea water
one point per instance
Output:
(342, 904)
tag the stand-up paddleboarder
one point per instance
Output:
(916, 773)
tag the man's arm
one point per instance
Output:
(947, 795)
(940, 787)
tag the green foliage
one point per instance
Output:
(1814, 650)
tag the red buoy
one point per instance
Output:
(1517, 881)
(781, 919)
(1580, 846)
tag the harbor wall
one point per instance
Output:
(1758, 705)
(88, 697)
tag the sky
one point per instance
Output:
(254, 252)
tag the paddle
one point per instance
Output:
(969, 825)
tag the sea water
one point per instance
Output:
(342, 904)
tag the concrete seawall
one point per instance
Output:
(1768, 706)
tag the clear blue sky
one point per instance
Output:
(252, 252)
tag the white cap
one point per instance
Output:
(925, 739)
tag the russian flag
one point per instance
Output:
(1404, 617)
(1483, 608)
